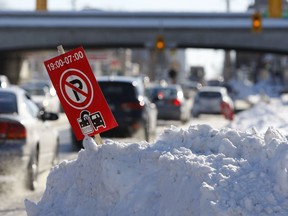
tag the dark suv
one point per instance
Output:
(130, 107)
(132, 110)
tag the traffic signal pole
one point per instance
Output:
(41, 5)
(275, 8)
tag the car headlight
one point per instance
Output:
(45, 103)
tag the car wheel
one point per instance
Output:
(146, 134)
(185, 118)
(77, 144)
(55, 160)
(195, 115)
(142, 133)
(184, 121)
(33, 171)
(146, 130)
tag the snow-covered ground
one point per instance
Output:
(241, 169)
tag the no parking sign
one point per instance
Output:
(80, 94)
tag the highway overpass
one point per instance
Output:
(36, 30)
(42, 30)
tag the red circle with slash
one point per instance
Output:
(76, 88)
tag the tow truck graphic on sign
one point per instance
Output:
(88, 123)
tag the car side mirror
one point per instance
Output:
(50, 116)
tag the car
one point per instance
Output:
(130, 106)
(44, 94)
(191, 85)
(132, 110)
(28, 142)
(216, 82)
(208, 100)
(190, 88)
(170, 102)
(4, 81)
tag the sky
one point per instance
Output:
(240, 169)
(212, 60)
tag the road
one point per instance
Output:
(12, 197)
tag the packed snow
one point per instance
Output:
(241, 169)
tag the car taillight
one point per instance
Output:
(176, 102)
(132, 106)
(12, 130)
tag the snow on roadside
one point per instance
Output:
(196, 171)
(263, 115)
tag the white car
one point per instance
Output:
(28, 142)
(208, 100)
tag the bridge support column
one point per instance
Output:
(228, 68)
(10, 65)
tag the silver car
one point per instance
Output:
(27, 140)
(208, 100)
(170, 102)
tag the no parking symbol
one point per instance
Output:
(76, 88)
(79, 93)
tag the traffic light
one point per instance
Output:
(160, 43)
(256, 22)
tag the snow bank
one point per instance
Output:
(263, 115)
(197, 171)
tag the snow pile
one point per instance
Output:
(255, 92)
(263, 115)
(197, 171)
(244, 89)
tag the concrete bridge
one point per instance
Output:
(30, 31)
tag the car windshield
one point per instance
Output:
(38, 92)
(36, 88)
(118, 92)
(8, 103)
(210, 94)
(163, 93)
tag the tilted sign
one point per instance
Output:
(80, 94)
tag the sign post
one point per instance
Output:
(80, 94)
